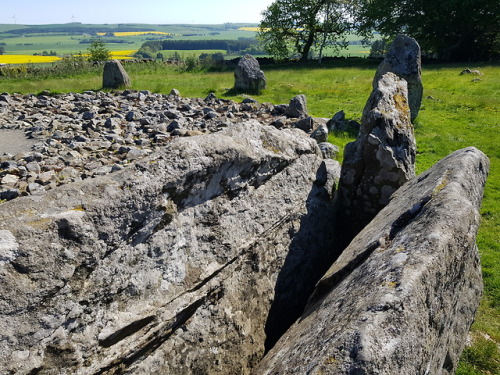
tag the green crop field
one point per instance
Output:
(52, 38)
(457, 111)
(67, 39)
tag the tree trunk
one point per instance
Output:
(307, 46)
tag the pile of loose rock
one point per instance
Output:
(83, 135)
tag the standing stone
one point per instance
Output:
(114, 75)
(248, 77)
(297, 107)
(403, 59)
(402, 297)
(381, 159)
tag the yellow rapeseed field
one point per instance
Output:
(122, 55)
(27, 59)
(249, 28)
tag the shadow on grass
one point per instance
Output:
(234, 92)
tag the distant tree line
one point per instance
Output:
(150, 48)
(110, 40)
(228, 45)
(46, 53)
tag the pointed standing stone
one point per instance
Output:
(403, 59)
(114, 75)
(297, 107)
(381, 159)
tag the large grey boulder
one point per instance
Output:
(380, 160)
(172, 265)
(248, 77)
(404, 60)
(402, 296)
(114, 75)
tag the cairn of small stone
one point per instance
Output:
(84, 135)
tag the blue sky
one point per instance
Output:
(35, 12)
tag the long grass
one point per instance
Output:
(457, 111)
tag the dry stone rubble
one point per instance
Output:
(84, 135)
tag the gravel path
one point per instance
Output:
(14, 142)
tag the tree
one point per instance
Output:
(296, 26)
(379, 48)
(2, 50)
(449, 29)
(98, 51)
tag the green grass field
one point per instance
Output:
(456, 112)
(66, 43)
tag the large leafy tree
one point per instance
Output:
(450, 29)
(291, 27)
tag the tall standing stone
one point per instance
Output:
(114, 75)
(403, 59)
(381, 159)
(248, 77)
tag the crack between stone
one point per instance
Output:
(163, 331)
(327, 284)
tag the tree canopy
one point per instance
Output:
(294, 26)
(448, 29)
(98, 51)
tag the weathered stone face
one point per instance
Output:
(403, 59)
(380, 160)
(248, 77)
(114, 75)
(297, 107)
(401, 298)
(170, 266)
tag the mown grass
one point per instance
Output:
(457, 111)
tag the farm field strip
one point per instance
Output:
(34, 59)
